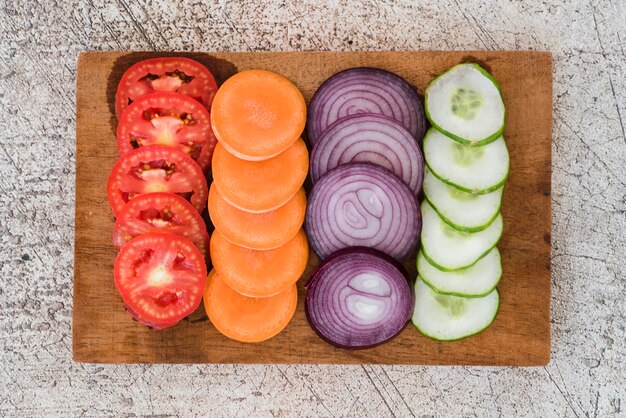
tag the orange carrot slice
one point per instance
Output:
(258, 114)
(260, 186)
(247, 319)
(260, 273)
(258, 231)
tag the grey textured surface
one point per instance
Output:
(39, 43)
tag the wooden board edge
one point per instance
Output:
(78, 355)
(543, 359)
(82, 55)
(540, 361)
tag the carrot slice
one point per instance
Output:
(260, 273)
(260, 186)
(258, 231)
(258, 114)
(247, 319)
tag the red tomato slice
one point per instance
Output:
(156, 169)
(172, 119)
(161, 212)
(160, 277)
(182, 75)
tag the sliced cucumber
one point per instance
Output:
(478, 280)
(448, 318)
(465, 103)
(477, 170)
(461, 210)
(448, 249)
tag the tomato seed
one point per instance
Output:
(166, 299)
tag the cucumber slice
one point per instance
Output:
(449, 318)
(461, 210)
(477, 170)
(476, 281)
(465, 103)
(448, 249)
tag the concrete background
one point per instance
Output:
(39, 43)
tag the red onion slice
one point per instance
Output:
(370, 138)
(363, 204)
(365, 90)
(358, 298)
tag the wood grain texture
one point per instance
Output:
(104, 333)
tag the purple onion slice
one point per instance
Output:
(363, 204)
(365, 90)
(358, 298)
(370, 138)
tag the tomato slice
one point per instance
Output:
(161, 212)
(156, 169)
(160, 277)
(172, 119)
(182, 75)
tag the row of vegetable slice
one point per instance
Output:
(467, 165)
(363, 216)
(257, 205)
(158, 189)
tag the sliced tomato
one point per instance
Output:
(160, 277)
(182, 75)
(156, 169)
(171, 119)
(160, 212)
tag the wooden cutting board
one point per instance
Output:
(104, 333)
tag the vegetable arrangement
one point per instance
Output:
(363, 216)
(158, 188)
(257, 205)
(467, 164)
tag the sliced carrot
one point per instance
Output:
(260, 273)
(259, 231)
(257, 114)
(260, 186)
(247, 319)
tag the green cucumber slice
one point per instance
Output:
(477, 170)
(476, 281)
(448, 249)
(449, 318)
(461, 210)
(465, 103)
